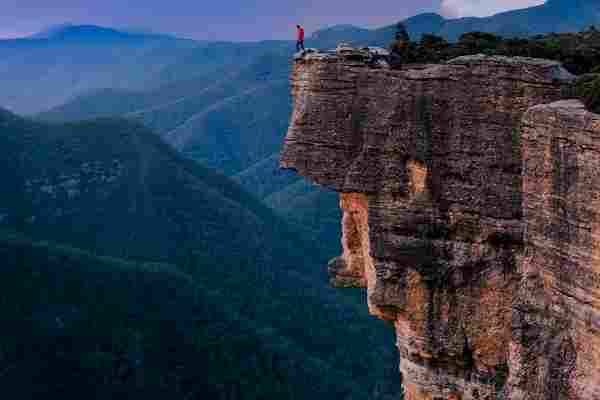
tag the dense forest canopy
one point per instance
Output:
(129, 271)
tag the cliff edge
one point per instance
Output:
(471, 214)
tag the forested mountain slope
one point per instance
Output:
(234, 123)
(113, 188)
(79, 324)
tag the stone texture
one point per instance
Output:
(555, 351)
(473, 232)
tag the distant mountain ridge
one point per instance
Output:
(72, 59)
(90, 32)
(553, 16)
(48, 69)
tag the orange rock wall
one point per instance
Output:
(469, 215)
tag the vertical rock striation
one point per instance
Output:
(555, 351)
(474, 237)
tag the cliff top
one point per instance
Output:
(375, 58)
(325, 64)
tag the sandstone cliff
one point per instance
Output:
(470, 199)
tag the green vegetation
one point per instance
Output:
(267, 322)
(235, 124)
(587, 88)
(312, 209)
(578, 52)
(76, 324)
(216, 121)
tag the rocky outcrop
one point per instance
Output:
(555, 348)
(469, 215)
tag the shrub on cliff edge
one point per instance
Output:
(579, 52)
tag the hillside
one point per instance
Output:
(312, 208)
(40, 73)
(115, 328)
(113, 188)
(82, 176)
(219, 123)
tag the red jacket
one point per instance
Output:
(300, 34)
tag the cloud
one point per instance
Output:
(481, 8)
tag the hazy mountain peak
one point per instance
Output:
(51, 30)
(5, 114)
(337, 30)
(571, 2)
(71, 31)
(340, 27)
(428, 15)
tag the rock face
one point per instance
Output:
(555, 351)
(469, 214)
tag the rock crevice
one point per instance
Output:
(469, 194)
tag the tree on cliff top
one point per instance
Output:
(578, 52)
(401, 48)
(402, 33)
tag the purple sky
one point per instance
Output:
(231, 19)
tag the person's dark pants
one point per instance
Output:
(300, 45)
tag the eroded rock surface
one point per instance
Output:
(469, 214)
(555, 351)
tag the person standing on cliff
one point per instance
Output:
(300, 38)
